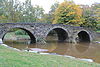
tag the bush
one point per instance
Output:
(20, 32)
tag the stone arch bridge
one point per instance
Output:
(39, 31)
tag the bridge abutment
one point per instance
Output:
(40, 40)
(1, 42)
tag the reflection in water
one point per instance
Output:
(82, 47)
(80, 50)
(61, 48)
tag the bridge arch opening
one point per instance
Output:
(23, 34)
(83, 36)
(58, 34)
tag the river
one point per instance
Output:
(79, 50)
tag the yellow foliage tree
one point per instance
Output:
(68, 13)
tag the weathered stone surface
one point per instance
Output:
(1, 41)
(39, 31)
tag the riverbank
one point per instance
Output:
(13, 58)
(12, 36)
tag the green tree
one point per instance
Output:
(3, 18)
(68, 13)
(46, 18)
(39, 13)
(28, 12)
(92, 16)
(96, 13)
(9, 10)
(52, 11)
(15, 11)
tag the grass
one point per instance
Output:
(98, 31)
(12, 36)
(13, 58)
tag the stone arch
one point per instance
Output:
(28, 31)
(62, 33)
(84, 36)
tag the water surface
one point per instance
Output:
(79, 50)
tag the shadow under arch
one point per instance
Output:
(62, 35)
(32, 37)
(83, 36)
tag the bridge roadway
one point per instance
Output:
(39, 31)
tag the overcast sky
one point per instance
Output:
(46, 4)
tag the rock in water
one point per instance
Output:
(1, 41)
(97, 42)
(89, 60)
(38, 49)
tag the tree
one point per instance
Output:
(91, 15)
(10, 10)
(2, 16)
(15, 11)
(31, 13)
(51, 12)
(46, 19)
(39, 13)
(68, 13)
(54, 7)
(96, 13)
(49, 17)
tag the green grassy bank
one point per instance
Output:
(13, 58)
(12, 36)
(98, 31)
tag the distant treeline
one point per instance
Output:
(66, 12)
